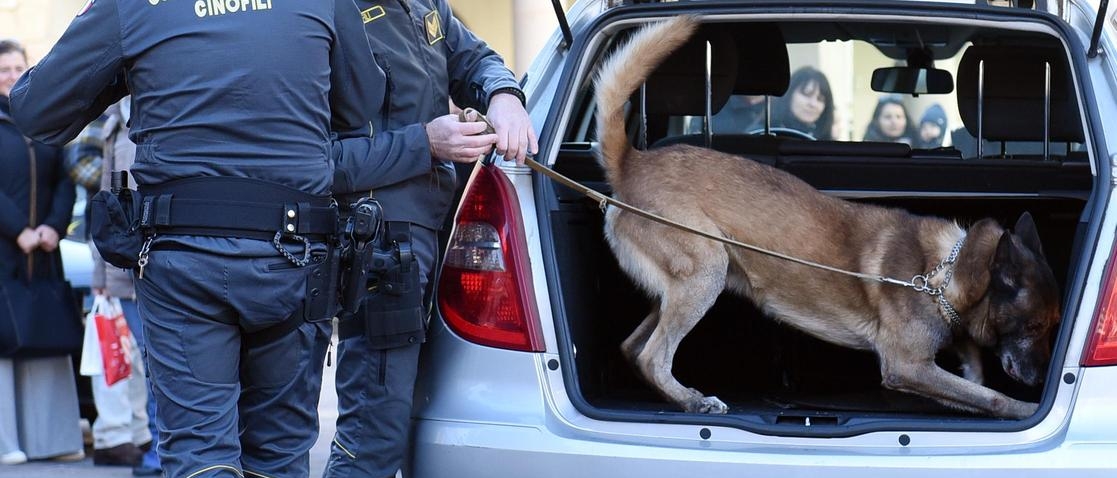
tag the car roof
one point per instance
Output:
(893, 39)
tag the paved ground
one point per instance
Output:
(327, 413)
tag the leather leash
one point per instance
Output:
(920, 283)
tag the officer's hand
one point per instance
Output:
(48, 237)
(452, 140)
(516, 136)
(28, 240)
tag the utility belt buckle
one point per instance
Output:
(155, 211)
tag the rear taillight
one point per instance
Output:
(485, 290)
(1102, 346)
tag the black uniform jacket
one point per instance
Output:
(218, 88)
(428, 57)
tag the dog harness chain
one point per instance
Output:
(922, 283)
(919, 283)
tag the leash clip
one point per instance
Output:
(922, 283)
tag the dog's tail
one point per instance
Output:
(622, 73)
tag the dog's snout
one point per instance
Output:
(1009, 365)
(1023, 369)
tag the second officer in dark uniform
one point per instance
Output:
(428, 57)
(232, 108)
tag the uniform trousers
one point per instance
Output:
(374, 392)
(227, 403)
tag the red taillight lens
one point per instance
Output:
(485, 290)
(1102, 346)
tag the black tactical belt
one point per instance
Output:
(235, 207)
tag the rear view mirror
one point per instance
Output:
(912, 80)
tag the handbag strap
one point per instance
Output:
(34, 200)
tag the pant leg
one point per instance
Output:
(143, 421)
(47, 407)
(132, 316)
(279, 404)
(9, 428)
(280, 377)
(374, 409)
(193, 355)
(375, 389)
(113, 425)
(137, 398)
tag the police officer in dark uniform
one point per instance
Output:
(429, 57)
(232, 108)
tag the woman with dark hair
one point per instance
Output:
(891, 122)
(38, 399)
(808, 105)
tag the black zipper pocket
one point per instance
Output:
(281, 266)
(382, 371)
(387, 107)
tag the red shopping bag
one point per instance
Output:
(115, 339)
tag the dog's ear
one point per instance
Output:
(1005, 261)
(975, 261)
(1025, 229)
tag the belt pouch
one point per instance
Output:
(113, 225)
(394, 316)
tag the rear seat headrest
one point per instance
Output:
(1014, 94)
(678, 86)
(763, 67)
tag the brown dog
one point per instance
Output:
(1002, 289)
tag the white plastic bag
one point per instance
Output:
(91, 362)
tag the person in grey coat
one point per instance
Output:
(128, 407)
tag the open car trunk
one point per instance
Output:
(775, 379)
(768, 373)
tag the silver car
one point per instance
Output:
(523, 374)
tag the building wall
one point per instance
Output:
(37, 23)
(516, 29)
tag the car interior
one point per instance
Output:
(1012, 88)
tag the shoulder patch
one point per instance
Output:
(434, 27)
(372, 13)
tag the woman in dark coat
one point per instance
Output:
(38, 399)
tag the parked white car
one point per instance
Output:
(523, 375)
(77, 260)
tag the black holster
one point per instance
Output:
(321, 286)
(392, 313)
(359, 237)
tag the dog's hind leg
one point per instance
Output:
(683, 304)
(632, 346)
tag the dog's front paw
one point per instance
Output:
(1018, 410)
(710, 405)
